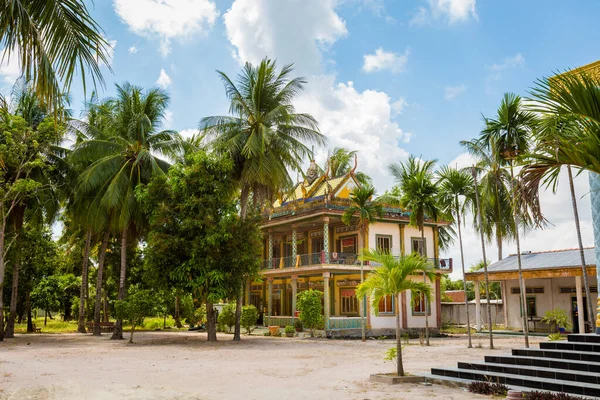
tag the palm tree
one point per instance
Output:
(264, 136)
(53, 41)
(392, 278)
(419, 194)
(367, 211)
(456, 194)
(125, 159)
(509, 134)
(340, 162)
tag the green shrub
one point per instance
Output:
(311, 309)
(558, 318)
(137, 306)
(289, 329)
(227, 316)
(487, 388)
(249, 318)
(539, 395)
(554, 336)
(298, 325)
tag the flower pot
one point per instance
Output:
(274, 330)
(289, 334)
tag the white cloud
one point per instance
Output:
(132, 50)
(560, 234)
(290, 31)
(452, 11)
(357, 121)
(168, 120)
(385, 60)
(110, 54)
(167, 19)
(164, 80)
(188, 133)
(450, 92)
(399, 105)
(10, 70)
(508, 63)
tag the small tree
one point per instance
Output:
(311, 309)
(557, 317)
(249, 318)
(135, 308)
(227, 316)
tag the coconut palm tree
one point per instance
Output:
(126, 158)
(456, 194)
(393, 277)
(264, 136)
(52, 41)
(509, 133)
(364, 210)
(419, 194)
(340, 162)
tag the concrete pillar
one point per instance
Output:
(270, 250)
(327, 299)
(263, 298)
(269, 300)
(504, 303)
(580, 305)
(326, 238)
(247, 292)
(294, 284)
(477, 307)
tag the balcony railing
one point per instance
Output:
(304, 260)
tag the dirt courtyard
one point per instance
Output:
(182, 365)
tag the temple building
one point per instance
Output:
(306, 245)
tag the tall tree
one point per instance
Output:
(419, 194)
(365, 210)
(263, 135)
(129, 156)
(341, 161)
(53, 41)
(392, 278)
(456, 195)
(509, 134)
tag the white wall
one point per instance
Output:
(410, 232)
(387, 229)
(455, 314)
(549, 300)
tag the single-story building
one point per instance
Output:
(454, 313)
(553, 279)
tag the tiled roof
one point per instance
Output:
(567, 258)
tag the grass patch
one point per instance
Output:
(59, 326)
(457, 330)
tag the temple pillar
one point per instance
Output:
(327, 298)
(326, 239)
(294, 284)
(294, 245)
(595, 199)
(270, 249)
(269, 300)
(504, 303)
(580, 305)
(477, 307)
(438, 301)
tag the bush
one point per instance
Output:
(538, 395)
(558, 318)
(311, 309)
(554, 336)
(137, 306)
(298, 325)
(487, 388)
(289, 329)
(227, 317)
(249, 318)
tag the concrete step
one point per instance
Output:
(575, 346)
(575, 365)
(530, 371)
(584, 337)
(559, 354)
(535, 383)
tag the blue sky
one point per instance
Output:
(389, 78)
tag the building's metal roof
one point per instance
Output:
(568, 258)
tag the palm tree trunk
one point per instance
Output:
(586, 284)
(118, 332)
(237, 332)
(28, 311)
(426, 299)
(485, 269)
(98, 303)
(521, 280)
(499, 241)
(399, 366)
(462, 259)
(498, 222)
(211, 323)
(45, 313)
(84, 282)
(594, 181)
(363, 328)
(10, 326)
(2, 270)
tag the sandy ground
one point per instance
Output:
(182, 365)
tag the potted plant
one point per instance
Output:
(298, 325)
(289, 331)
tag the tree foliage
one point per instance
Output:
(311, 309)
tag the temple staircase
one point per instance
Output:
(571, 366)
